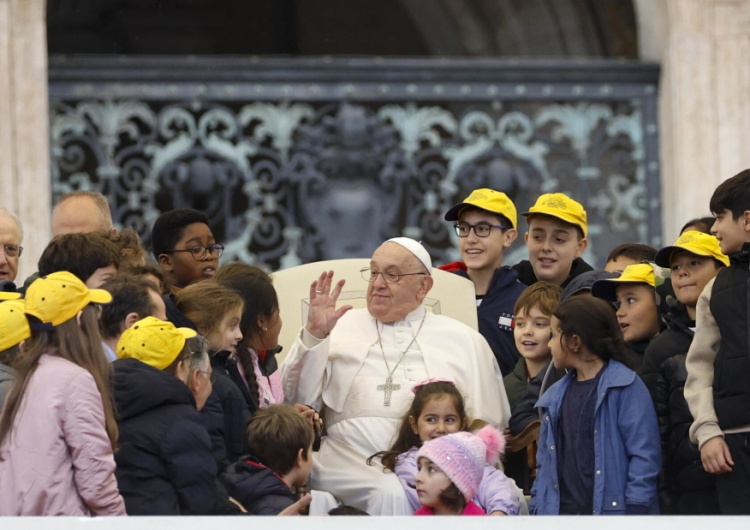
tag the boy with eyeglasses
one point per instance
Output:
(485, 223)
(184, 247)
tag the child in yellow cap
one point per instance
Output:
(485, 223)
(634, 296)
(556, 239)
(14, 329)
(58, 427)
(694, 259)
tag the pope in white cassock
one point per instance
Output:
(358, 367)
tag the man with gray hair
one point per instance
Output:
(11, 234)
(357, 367)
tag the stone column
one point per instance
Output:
(703, 47)
(24, 123)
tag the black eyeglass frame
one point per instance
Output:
(216, 249)
(489, 227)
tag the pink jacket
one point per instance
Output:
(57, 459)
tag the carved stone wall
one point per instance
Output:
(302, 160)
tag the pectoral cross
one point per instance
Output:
(388, 388)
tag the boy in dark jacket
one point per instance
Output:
(635, 297)
(280, 441)
(717, 388)
(485, 223)
(556, 239)
(685, 488)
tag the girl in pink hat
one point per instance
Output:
(451, 468)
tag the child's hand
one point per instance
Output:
(716, 457)
(298, 506)
(310, 414)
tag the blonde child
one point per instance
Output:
(58, 428)
(533, 312)
(451, 468)
(437, 410)
(599, 448)
(216, 312)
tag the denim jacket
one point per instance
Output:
(627, 454)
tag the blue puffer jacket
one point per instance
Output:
(627, 454)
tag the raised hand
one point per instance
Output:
(323, 315)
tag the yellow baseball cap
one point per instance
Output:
(696, 243)
(14, 327)
(9, 295)
(154, 342)
(639, 273)
(562, 207)
(60, 296)
(487, 199)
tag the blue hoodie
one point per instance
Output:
(496, 316)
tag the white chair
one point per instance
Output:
(451, 295)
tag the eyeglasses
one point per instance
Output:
(389, 277)
(480, 229)
(13, 251)
(199, 252)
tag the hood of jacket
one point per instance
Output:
(248, 479)
(678, 319)
(174, 315)
(139, 388)
(527, 277)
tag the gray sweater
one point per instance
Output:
(7, 374)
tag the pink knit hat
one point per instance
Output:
(463, 455)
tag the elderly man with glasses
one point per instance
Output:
(11, 234)
(358, 368)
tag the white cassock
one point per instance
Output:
(340, 376)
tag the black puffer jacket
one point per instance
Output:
(664, 374)
(227, 411)
(164, 463)
(257, 488)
